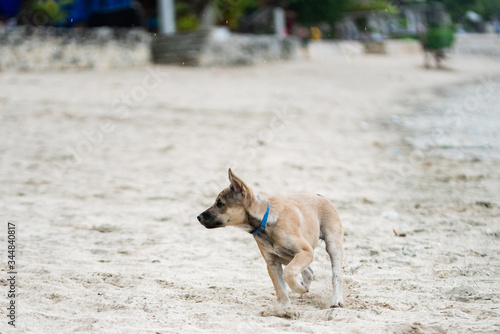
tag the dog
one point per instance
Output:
(286, 232)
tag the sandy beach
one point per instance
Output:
(104, 173)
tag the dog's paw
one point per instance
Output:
(337, 304)
(299, 287)
(280, 310)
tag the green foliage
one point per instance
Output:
(53, 11)
(374, 5)
(226, 12)
(185, 19)
(229, 12)
(457, 8)
(406, 37)
(313, 12)
(489, 8)
(187, 23)
(438, 38)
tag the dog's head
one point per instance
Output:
(230, 206)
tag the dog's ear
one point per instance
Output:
(239, 189)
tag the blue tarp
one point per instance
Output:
(10, 8)
(82, 9)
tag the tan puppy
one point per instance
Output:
(286, 231)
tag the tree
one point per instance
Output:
(230, 12)
(313, 12)
(457, 8)
(489, 9)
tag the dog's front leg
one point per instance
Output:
(275, 271)
(300, 262)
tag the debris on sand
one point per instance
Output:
(398, 234)
(485, 204)
(408, 251)
(463, 293)
(104, 228)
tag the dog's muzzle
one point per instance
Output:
(206, 219)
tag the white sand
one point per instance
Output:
(90, 230)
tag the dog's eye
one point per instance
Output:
(220, 204)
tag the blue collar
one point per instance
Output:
(262, 226)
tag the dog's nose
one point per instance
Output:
(204, 216)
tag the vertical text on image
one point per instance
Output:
(11, 273)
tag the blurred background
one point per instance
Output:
(119, 120)
(184, 32)
(346, 19)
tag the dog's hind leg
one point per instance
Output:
(335, 253)
(333, 235)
